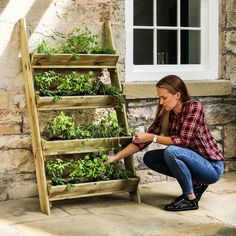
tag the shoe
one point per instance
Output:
(178, 198)
(183, 204)
(199, 189)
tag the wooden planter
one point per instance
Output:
(71, 61)
(60, 192)
(82, 145)
(72, 102)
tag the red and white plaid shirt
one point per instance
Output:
(189, 129)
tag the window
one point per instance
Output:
(171, 37)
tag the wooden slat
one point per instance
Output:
(33, 119)
(76, 102)
(60, 192)
(82, 145)
(70, 61)
(115, 77)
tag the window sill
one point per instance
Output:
(198, 88)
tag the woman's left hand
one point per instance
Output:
(110, 159)
(143, 137)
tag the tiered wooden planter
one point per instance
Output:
(43, 148)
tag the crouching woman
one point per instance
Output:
(192, 155)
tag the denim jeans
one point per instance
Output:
(185, 165)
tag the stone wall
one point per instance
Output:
(54, 19)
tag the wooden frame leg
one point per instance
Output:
(129, 165)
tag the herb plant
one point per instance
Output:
(79, 41)
(50, 83)
(63, 127)
(90, 168)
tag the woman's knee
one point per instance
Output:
(170, 151)
(147, 159)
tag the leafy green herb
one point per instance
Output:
(63, 127)
(50, 83)
(90, 168)
(79, 41)
(45, 48)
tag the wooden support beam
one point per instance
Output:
(33, 119)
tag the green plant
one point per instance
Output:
(54, 84)
(90, 168)
(45, 48)
(63, 127)
(79, 41)
(58, 171)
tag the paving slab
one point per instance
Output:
(115, 215)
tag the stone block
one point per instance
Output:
(230, 41)
(217, 133)
(22, 189)
(230, 140)
(231, 19)
(18, 101)
(15, 142)
(9, 129)
(3, 196)
(230, 165)
(16, 161)
(220, 113)
(148, 176)
(3, 99)
(141, 115)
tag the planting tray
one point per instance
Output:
(82, 145)
(73, 102)
(72, 61)
(60, 192)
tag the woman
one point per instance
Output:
(191, 156)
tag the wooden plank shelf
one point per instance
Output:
(77, 102)
(58, 147)
(60, 192)
(70, 61)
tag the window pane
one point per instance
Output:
(190, 13)
(190, 47)
(143, 12)
(166, 47)
(167, 13)
(143, 47)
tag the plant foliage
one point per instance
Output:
(90, 168)
(79, 41)
(63, 127)
(50, 83)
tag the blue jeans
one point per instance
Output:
(185, 165)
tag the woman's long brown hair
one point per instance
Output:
(174, 85)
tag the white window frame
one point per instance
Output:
(207, 70)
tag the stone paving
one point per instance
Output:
(115, 215)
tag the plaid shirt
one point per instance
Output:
(189, 129)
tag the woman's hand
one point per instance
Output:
(143, 137)
(110, 159)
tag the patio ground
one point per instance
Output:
(117, 216)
